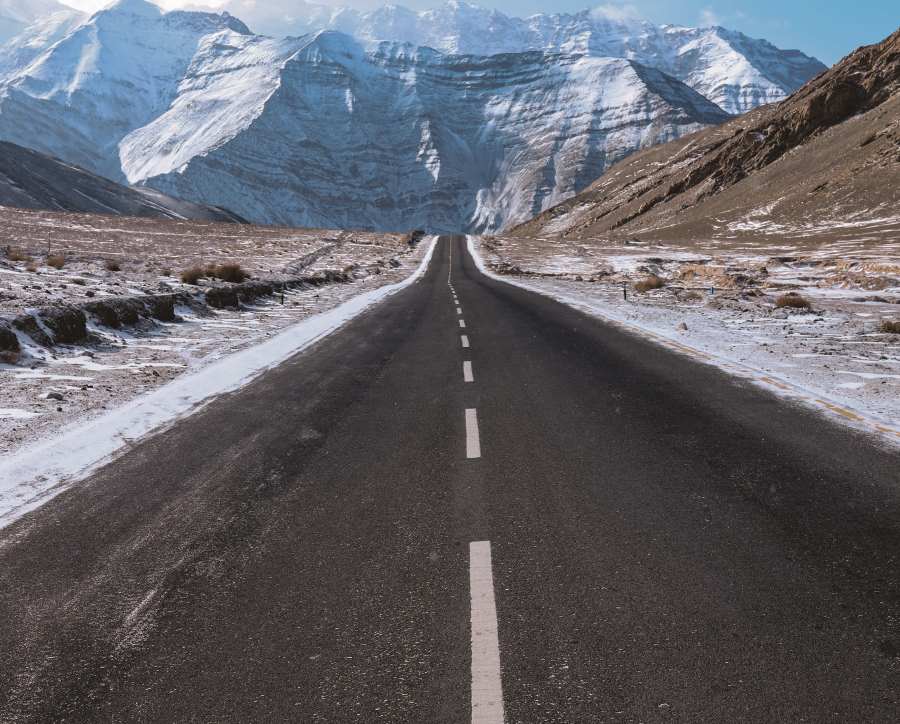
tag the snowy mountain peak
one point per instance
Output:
(141, 8)
(734, 71)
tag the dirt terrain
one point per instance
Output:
(104, 259)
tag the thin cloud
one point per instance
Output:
(616, 11)
(709, 17)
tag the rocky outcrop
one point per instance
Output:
(50, 326)
(67, 324)
(122, 311)
(9, 342)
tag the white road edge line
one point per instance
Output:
(462, 323)
(467, 372)
(473, 441)
(487, 685)
(465, 341)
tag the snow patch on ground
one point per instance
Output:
(33, 475)
(806, 357)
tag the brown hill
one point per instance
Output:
(823, 164)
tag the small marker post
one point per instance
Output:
(625, 291)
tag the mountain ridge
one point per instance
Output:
(823, 159)
(742, 73)
(32, 180)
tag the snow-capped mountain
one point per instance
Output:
(18, 52)
(16, 15)
(322, 131)
(112, 73)
(734, 71)
(400, 137)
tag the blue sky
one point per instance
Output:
(828, 29)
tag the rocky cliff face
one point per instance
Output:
(320, 131)
(734, 71)
(826, 158)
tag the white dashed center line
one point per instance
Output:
(462, 323)
(473, 442)
(465, 341)
(467, 372)
(459, 310)
(487, 686)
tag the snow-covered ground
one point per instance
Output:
(48, 388)
(107, 405)
(833, 357)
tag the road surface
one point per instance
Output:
(470, 504)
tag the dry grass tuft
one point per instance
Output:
(31, 267)
(17, 255)
(890, 326)
(192, 275)
(793, 301)
(230, 272)
(113, 266)
(57, 261)
(651, 282)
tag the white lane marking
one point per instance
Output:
(487, 685)
(459, 310)
(462, 323)
(473, 442)
(467, 372)
(465, 341)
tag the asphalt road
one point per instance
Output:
(654, 540)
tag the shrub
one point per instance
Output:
(890, 326)
(113, 266)
(230, 272)
(192, 275)
(792, 300)
(17, 255)
(57, 261)
(167, 272)
(651, 282)
(31, 267)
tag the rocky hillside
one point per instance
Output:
(319, 131)
(824, 162)
(32, 180)
(734, 71)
